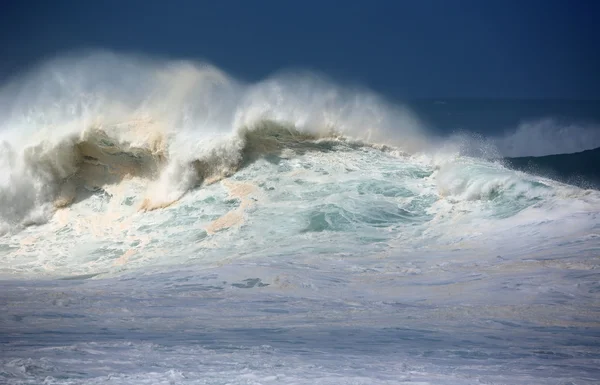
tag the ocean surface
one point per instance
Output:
(165, 223)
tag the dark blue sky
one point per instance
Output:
(417, 48)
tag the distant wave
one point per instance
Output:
(548, 136)
(579, 169)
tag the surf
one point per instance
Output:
(111, 160)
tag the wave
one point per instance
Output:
(53, 175)
(542, 137)
(293, 193)
(79, 124)
(548, 136)
(579, 169)
(98, 118)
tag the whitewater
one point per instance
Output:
(162, 222)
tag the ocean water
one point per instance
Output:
(164, 223)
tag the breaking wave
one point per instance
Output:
(96, 119)
(78, 124)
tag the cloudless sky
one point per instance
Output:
(412, 48)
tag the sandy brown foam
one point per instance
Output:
(235, 217)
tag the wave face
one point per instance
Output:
(306, 211)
